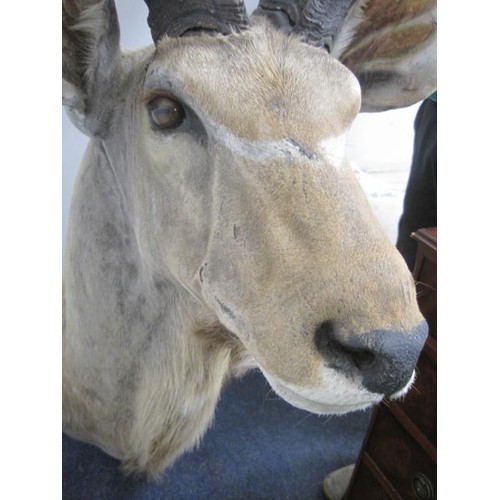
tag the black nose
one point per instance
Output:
(385, 359)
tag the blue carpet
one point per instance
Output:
(259, 447)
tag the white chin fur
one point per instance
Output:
(405, 389)
(337, 395)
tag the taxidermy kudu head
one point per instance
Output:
(216, 224)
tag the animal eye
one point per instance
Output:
(165, 113)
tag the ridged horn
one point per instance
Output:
(180, 17)
(317, 21)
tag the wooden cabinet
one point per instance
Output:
(398, 458)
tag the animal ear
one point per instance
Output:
(91, 56)
(391, 48)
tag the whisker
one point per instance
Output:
(267, 397)
(303, 419)
(423, 287)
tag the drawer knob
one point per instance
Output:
(422, 487)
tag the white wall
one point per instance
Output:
(380, 147)
(378, 142)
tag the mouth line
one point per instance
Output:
(303, 402)
(362, 402)
(324, 408)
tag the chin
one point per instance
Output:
(333, 397)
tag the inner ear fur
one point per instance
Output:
(90, 61)
(391, 48)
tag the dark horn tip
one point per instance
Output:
(284, 14)
(278, 18)
(175, 19)
(318, 22)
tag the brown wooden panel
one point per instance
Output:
(366, 487)
(420, 404)
(427, 299)
(425, 275)
(398, 456)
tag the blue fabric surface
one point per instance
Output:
(259, 447)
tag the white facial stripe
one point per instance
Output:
(257, 151)
(333, 149)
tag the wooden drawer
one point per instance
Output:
(366, 486)
(427, 301)
(425, 275)
(420, 404)
(399, 457)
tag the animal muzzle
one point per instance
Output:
(384, 359)
(301, 272)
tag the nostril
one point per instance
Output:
(385, 359)
(337, 352)
(324, 335)
(363, 359)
